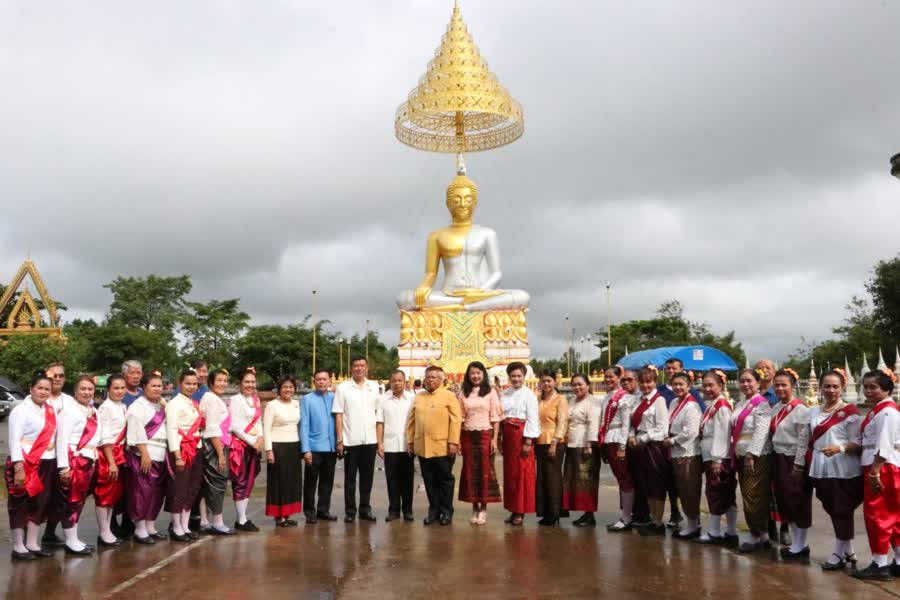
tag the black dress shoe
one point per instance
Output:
(549, 521)
(390, 518)
(834, 566)
(101, 543)
(326, 517)
(652, 530)
(248, 526)
(871, 573)
(619, 526)
(894, 568)
(586, 520)
(23, 556)
(687, 536)
(786, 554)
(220, 532)
(349, 518)
(83, 552)
(430, 520)
(445, 520)
(748, 547)
(674, 521)
(204, 530)
(159, 536)
(408, 517)
(147, 541)
(52, 541)
(174, 537)
(193, 535)
(311, 519)
(731, 540)
(367, 517)
(45, 554)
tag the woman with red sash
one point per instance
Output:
(834, 465)
(615, 422)
(683, 443)
(790, 431)
(880, 439)
(77, 438)
(184, 425)
(31, 469)
(216, 451)
(481, 415)
(246, 445)
(146, 456)
(520, 427)
(751, 449)
(581, 473)
(110, 459)
(649, 427)
(715, 451)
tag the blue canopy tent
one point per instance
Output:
(699, 358)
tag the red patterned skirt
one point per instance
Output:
(581, 480)
(478, 480)
(24, 509)
(519, 474)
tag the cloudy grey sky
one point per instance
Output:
(731, 155)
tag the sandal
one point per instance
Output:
(517, 520)
(838, 566)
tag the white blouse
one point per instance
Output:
(70, 425)
(882, 437)
(139, 414)
(214, 412)
(112, 421)
(715, 436)
(180, 414)
(242, 413)
(791, 435)
(584, 422)
(522, 404)
(26, 421)
(838, 466)
(619, 426)
(684, 429)
(754, 436)
(654, 425)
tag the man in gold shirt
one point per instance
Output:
(432, 433)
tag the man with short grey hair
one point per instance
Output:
(133, 372)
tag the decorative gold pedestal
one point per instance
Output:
(452, 340)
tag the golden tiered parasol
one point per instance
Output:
(458, 106)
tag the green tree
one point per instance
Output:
(884, 287)
(275, 350)
(103, 348)
(211, 329)
(151, 302)
(22, 355)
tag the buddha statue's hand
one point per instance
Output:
(422, 293)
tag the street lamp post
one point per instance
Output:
(367, 341)
(568, 348)
(609, 323)
(314, 330)
(587, 360)
(341, 358)
(581, 362)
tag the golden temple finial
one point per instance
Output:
(458, 106)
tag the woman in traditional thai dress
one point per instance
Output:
(77, 438)
(520, 427)
(481, 416)
(246, 446)
(284, 474)
(216, 450)
(146, 456)
(683, 443)
(184, 425)
(835, 469)
(31, 469)
(790, 432)
(581, 473)
(109, 486)
(553, 411)
(718, 464)
(751, 448)
(649, 426)
(615, 423)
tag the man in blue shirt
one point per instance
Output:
(317, 443)
(133, 372)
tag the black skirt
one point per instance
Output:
(284, 480)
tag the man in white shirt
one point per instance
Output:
(390, 427)
(355, 402)
(58, 400)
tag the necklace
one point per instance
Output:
(834, 407)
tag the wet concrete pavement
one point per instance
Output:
(408, 560)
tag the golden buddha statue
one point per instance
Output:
(471, 258)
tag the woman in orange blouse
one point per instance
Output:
(553, 410)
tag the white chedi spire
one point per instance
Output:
(881, 363)
(851, 396)
(865, 367)
(812, 390)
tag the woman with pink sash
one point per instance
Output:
(246, 445)
(31, 469)
(683, 444)
(146, 456)
(649, 427)
(715, 451)
(111, 459)
(521, 425)
(216, 451)
(790, 431)
(751, 449)
(77, 438)
(615, 422)
(835, 470)
(184, 425)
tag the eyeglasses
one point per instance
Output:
(626, 379)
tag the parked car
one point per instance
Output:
(10, 396)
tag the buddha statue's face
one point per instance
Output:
(461, 202)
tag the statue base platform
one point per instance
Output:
(452, 340)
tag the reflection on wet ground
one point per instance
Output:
(408, 560)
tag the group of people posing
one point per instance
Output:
(136, 453)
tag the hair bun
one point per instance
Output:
(40, 373)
